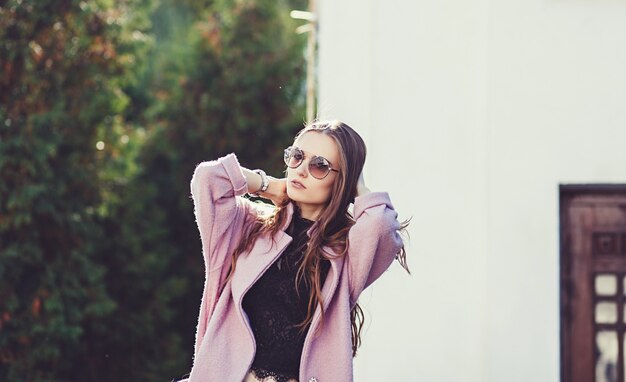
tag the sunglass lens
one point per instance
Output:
(287, 155)
(294, 157)
(319, 167)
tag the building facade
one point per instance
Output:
(476, 115)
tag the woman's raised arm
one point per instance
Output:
(373, 240)
(220, 215)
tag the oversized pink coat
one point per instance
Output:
(225, 346)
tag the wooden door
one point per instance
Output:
(593, 283)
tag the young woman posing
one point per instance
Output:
(282, 283)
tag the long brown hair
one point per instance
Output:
(330, 229)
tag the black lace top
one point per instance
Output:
(274, 308)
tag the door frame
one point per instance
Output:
(566, 193)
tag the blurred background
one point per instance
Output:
(499, 127)
(105, 109)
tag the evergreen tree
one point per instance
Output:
(232, 81)
(62, 68)
(105, 109)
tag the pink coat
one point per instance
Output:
(225, 346)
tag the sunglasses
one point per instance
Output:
(319, 167)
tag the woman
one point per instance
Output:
(282, 283)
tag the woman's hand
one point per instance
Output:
(277, 190)
(361, 188)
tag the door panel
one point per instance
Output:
(593, 273)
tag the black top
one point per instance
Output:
(274, 308)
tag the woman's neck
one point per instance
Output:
(309, 212)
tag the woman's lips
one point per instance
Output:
(297, 184)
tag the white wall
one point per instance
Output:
(473, 113)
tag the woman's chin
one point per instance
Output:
(293, 195)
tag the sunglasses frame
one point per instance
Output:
(287, 155)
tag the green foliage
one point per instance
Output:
(234, 85)
(63, 64)
(106, 106)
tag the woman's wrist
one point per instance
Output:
(276, 191)
(270, 188)
(264, 182)
(273, 191)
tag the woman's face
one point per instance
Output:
(309, 193)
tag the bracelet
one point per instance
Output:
(265, 183)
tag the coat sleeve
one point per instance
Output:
(373, 241)
(221, 217)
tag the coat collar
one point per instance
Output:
(290, 211)
(250, 267)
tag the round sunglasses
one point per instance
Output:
(319, 167)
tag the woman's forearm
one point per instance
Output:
(253, 179)
(276, 190)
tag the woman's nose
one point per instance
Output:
(302, 169)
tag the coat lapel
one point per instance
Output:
(252, 265)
